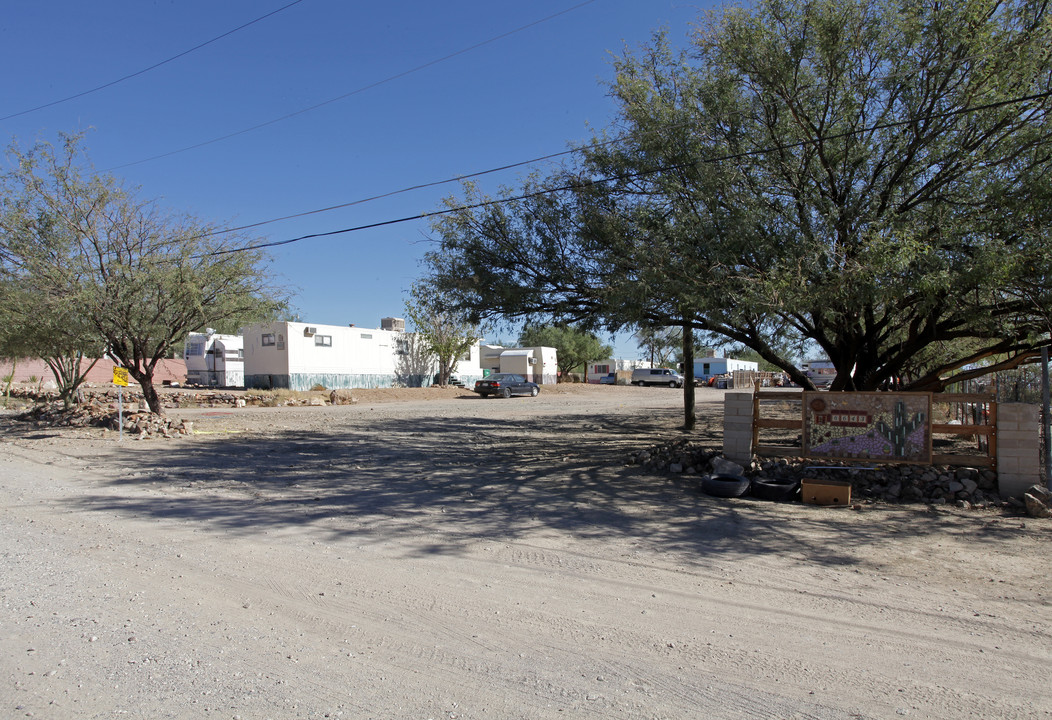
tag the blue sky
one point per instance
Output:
(408, 112)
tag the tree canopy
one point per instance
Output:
(98, 269)
(446, 333)
(866, 177)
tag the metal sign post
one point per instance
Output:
(120, 379)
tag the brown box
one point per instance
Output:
(825, 492)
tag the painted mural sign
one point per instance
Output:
(873, 426)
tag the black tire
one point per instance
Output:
(534, 392)
(673, 385)
(726, 486)
(506, 393)
(779, 490)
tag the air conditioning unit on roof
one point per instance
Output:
(310, 331)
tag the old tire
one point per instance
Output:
(534, 392)
(726, 486)
(779, 490)
(506, 393)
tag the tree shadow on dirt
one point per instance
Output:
(436, 487)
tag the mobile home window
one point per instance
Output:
(367, 336)
(268, 339)
(195, 349)
(323, 340)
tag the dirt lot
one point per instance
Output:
(435, 555)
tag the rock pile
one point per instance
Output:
(936, 485)
(142, 424)
(677, 456)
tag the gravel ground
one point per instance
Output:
(436, 555)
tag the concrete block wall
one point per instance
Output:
(737, 427)
(1018, 448)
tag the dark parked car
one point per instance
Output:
(609, 379)
(506, 385)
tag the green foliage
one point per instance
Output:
(103, 271)
(868, 178)
(575, 348)
(660, 345)
(447, 333)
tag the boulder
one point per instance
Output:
(1036, 506)
(342, 397)
(723, 466)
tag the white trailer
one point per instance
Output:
(214, 360)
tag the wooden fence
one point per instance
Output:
(957, 415)
(754, 378)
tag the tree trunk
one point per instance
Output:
(69, 376)
(10, 379)
(689, 416)
(149, 393)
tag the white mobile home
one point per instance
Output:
(537, 364)
(602, 368)
(299, 356)
(214, 360)
(709, 367)
(820, 371)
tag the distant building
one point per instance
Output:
(820, 371)
(623, 368)
(214, 360)
(708, 367)
(537, 364)
(299, 356)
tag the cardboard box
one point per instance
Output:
(825, 492)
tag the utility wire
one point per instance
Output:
(480, 173)
(357, 91)
(392, 193)
(578, 185)
(151, 67)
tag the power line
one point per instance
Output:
(392, 193)
(151, 67)
(480, 173)
(357, 91)
(624, 176)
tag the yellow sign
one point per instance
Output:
(120, 376)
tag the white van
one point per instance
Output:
(657, 376)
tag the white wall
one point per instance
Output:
(335, 356)
(266, 359)
(720, 366)
(350, 349)
(469, 369)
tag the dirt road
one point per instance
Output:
(468, 558)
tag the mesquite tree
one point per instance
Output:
(126, 275)
(867, 178)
